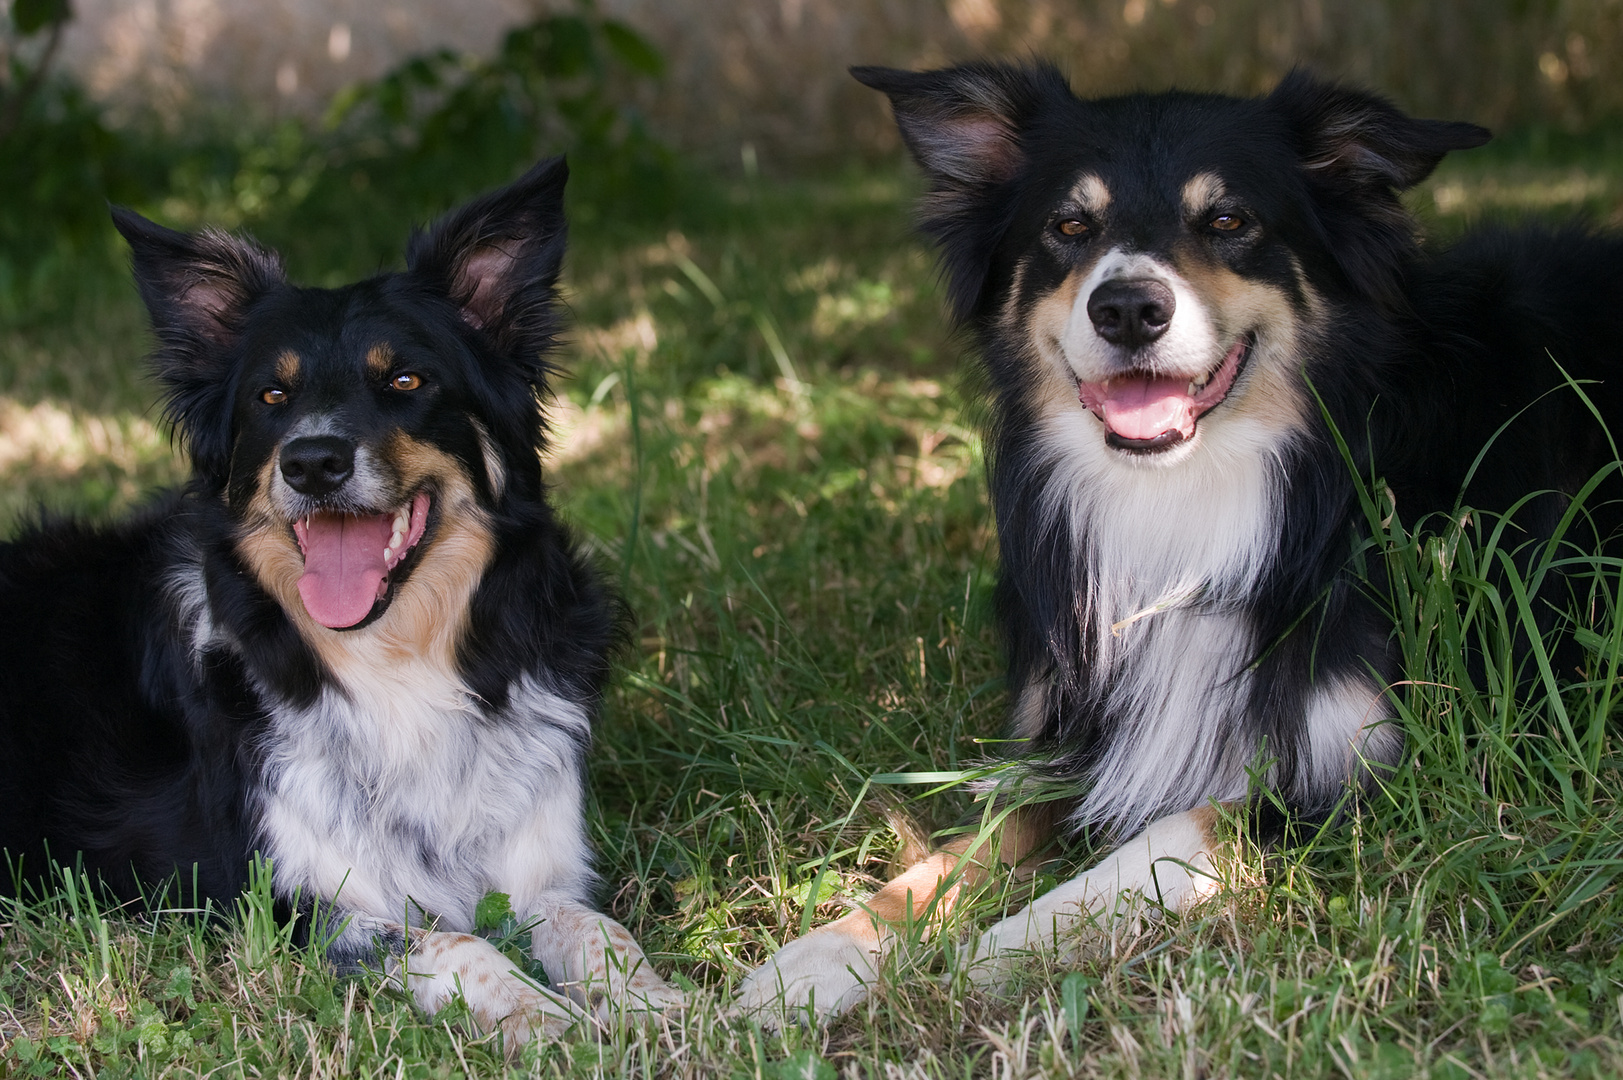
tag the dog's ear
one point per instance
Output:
(1362, 140)
(497, 259)
(964, 127)
(1358, 151)
(197, 289)
(962, 123)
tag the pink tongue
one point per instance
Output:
(1145, 407)
(344, 568)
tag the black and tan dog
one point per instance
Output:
(359, 642)
(1178, 301)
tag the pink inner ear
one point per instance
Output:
(212, 299)
(480, 279)
(974, 147)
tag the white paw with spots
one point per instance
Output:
(446, 965)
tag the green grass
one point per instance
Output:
(764, 441)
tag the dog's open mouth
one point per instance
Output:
(348, 559)
(1144, 413)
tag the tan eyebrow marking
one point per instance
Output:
(287, 367)
(1091, 193)
(1201, 193)
(379, 359)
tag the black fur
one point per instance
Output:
(146, 670)
(1419, 356)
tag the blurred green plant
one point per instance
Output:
(330, 192)
(450, 124)
(59, 162)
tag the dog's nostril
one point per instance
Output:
(1131, 312)
(317, 464)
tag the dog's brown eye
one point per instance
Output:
(272, 396)
(1072, 227)
(406, 381)
(1226, 222)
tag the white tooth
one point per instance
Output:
(388, 554)
(1194, 388)
(395, 538)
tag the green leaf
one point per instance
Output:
(568, 49)
(1073, 992)
(804, 1064)
(632, 49)
(1591, 641)
(30, 16)
(492, 910)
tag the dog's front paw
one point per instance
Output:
(819, 975)
(534, 1014)
(443, 966)
(643, 993)
(992, 958)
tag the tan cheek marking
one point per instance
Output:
(287, 367)
(1201, 193)
(267, 545)
(1274, 396)
(379, 360)
(429, 614)
(1053, 386)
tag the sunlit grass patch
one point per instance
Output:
(1577, 190)
(67, 459)
(1506, 183)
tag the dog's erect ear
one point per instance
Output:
(198, 289)
(964, 127)
(1364, 140)
(962, 124)
(498, 258)
(1357, 152)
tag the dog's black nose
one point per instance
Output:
(1131, 313)
(317, 464)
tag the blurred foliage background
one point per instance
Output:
(432, 129)
(345, 116)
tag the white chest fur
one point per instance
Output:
(397, 795)
(1165, 549)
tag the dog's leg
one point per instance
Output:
(828, 970)
(595, 961)
(435, 966)
(1169, 863)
